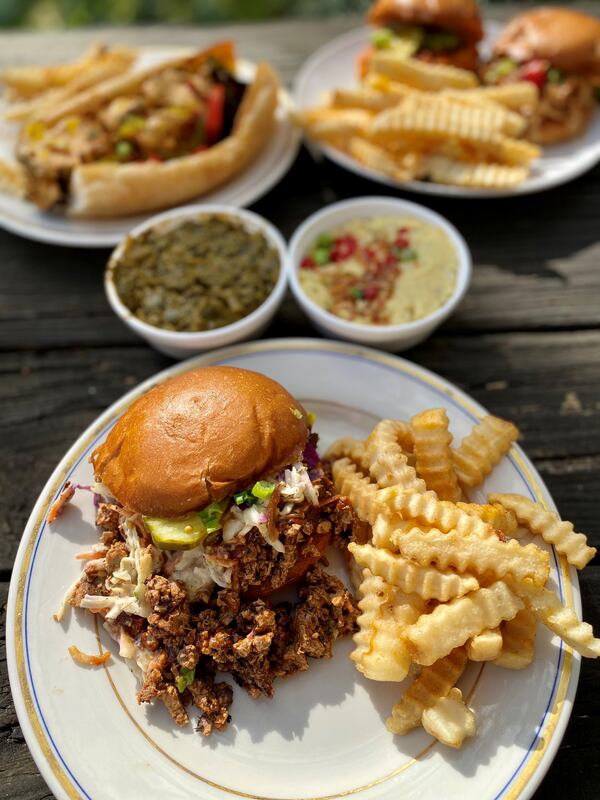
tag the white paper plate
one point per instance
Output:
(334, 66)
(262, 174)
(323, 734)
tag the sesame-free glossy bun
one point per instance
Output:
(459, 16)
(198, 438)
(568, 39)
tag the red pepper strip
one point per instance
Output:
(215, 113)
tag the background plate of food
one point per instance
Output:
(401, 102)
(323, 733)
(84, 161)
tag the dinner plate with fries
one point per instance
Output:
(462, 675)
(92, 147)
(429, 127)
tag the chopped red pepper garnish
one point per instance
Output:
(343, 247)
(390, 260)
(402, 241)
(154, 157)
(370, 292)
(535, 71)
(308, 263)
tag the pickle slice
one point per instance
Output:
(181, 533)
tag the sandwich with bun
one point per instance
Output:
(558, 50)
(148, 138)
(437, 31)
(211, 497)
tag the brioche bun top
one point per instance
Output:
(459, 16)
(199, 437)
(568, 39)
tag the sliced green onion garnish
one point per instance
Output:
(244, 497)
(555, 75)
(321, 255)
(324, 240)
(408, 254)
(297, 413)
(185, 677)
(211, 516)
(263, 489)
(382, 38)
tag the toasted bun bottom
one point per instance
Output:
(200, 437)
(112, 190)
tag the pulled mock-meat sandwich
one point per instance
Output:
(210, 497)
(557, 49)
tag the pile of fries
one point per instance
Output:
(409, 119)
(31, 90)
(444, 581)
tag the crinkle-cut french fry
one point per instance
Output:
(334, 124)
(513, 152)
(426, 507)
(385, 529)
(472, 174)
(428, 583)
(469, 553)
(518, 640)
(511, 95)
(561, 620)
(381, 654)
(450, 720)
(362, 97)
(353, 484)
(434, 682)
(348, 447)
(550, 527)
(432, 440)
(433, 121)
(388, 461)
(392, 431)
(420, 74)
(450, 624)
(513, 124)
(494, 514)
(486, 646)
(482, 449)
(504, 120)
(401, 167)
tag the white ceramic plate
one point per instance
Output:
(261, 175)
(323, 734)
(334, 66)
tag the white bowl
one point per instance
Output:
(388, 337)
(182, 344)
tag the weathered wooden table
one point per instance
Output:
(525, 343)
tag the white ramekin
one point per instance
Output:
(183, 344)
(388, 337)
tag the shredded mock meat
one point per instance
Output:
(563, 110)
(179, 644)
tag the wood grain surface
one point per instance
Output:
(525, 343)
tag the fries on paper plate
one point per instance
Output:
(445, 581)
